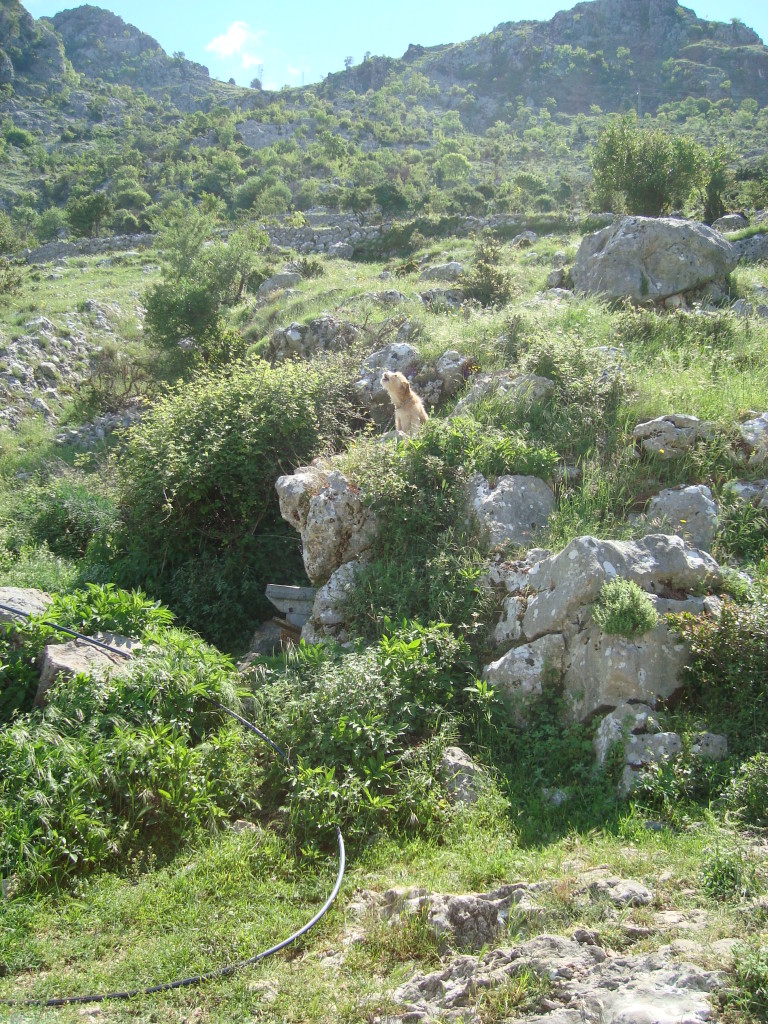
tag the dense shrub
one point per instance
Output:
(364, 728)
(487, 282)
(202, 522)
(747, 793)
(624, 609)
(727, 678)
(426, 559)
(111, 769)
(68, 517)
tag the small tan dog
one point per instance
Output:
(409, 410)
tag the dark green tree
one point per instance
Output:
(645, 171)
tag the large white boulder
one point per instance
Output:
(650, 259)
(78, 656)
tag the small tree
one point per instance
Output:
(486, 281)
(646, 171)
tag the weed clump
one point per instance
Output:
(623, 609)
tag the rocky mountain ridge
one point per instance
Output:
(613, 53)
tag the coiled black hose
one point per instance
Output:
(219, 972)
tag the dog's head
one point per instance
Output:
(395, 384)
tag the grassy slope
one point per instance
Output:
(230, 895)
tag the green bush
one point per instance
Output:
(624, 609)
(197, 482)
(751, 969)
(725, 874)
(486, 281)
(111, 769)
(426, 559)
(94, 609)
(726, 680)
(746, 795)
(645, 171)
(364, 728)
(68, 517)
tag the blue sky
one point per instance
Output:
(302, 40)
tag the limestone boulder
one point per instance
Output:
(78, 656)
(673, 435)
(328, 512)
(730, 222)
(452, 370)
(573, 578)
(605, 671)
(302, 341)
(279, 282)
(513, 387)
(710, 746)
(513, 511)
(443, 298)
(329, 610)
(649, 259)
(755, 492)
(623, 721)
(519, 674)
(754, 434)
(443, 272)
(341, 251)
(753, 249)
(26, 600)
(463, 779)
(688, 512)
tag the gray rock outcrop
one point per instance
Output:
(649, 259)
(443, 272)
(77, 656)
(328, 512)
(514, 510)
(325, 333)
(754, 434)
(547, 614)
(27, 600)
(278, 282)
(673, 435)
(688, 512)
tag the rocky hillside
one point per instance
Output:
(603, 52)
(30, 53)
(101, 45)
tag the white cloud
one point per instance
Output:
(239, 40)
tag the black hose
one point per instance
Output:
(219, 972)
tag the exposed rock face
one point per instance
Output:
(548, 614)
(78, 656)
(514, 510)
(36, 51)
(751, 250)
(444, 272)
(730, 222)
(452, 370)
(276, 283)
(650, 259)
(328, 512)
(574, 577)
(512, 386)
(328, 618)
(301, 341)
(102, 45)
(688, 512)
(753, 491)
(463, 779)
(673, 435)
(26, 599)
(754, 434)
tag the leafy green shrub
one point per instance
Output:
(94, 609)
(647, 171)
(360, 727)
(486, 281)
(140, 761)
(197, 482)
(726, 680)
(725, 875)
(623, 608)
(426, 563)
(747, 792)
(68, 517)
